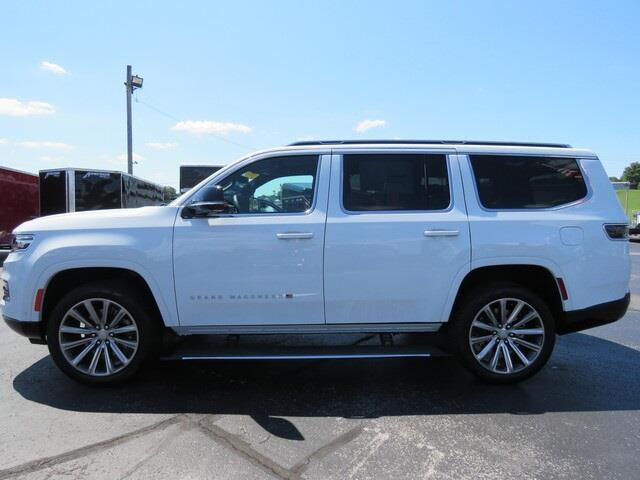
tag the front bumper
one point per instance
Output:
(32, 330)
(594, 316)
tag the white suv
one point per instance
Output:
(498, 247)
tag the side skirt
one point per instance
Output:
(312, 329)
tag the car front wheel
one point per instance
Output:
(100, 334)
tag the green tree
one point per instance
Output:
(169, 194)
(614, 179)
(632, 173)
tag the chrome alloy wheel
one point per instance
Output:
(98, 337)
(506, 335)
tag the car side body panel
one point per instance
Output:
(568, 240)
(136, 239)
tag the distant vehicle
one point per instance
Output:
(76, 190)
(191, 175)
(496, 247)
(18, 201)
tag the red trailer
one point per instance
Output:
(19, 201)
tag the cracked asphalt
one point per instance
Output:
(578, 418)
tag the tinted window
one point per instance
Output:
(274, 185)
(97, 190)
(53, 192)
(518, 182)
(395, 182)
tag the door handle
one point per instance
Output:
(294, 235)
(441, 233)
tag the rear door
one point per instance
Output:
(397, 236)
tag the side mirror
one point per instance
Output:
(213, 194)
(211, 203)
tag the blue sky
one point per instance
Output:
(233, 77)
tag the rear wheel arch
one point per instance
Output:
(66, 280)
(536, 278)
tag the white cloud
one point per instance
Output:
(50, 145)
(4, 141)
(51, 159)
(16, 108)
(208, 126)
(161, 146)
(53, 68)
(365, 125)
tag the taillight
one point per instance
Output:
(617, 231)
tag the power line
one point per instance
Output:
(176, 119)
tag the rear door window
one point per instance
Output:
(508, 182)
(395, 182)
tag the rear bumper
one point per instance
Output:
(594, 316)
(32, 330)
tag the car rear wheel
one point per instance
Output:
(503, 332)
(101, 334)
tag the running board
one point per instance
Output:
(307, 328)
(305, 353)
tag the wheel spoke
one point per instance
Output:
(507, 357)
(489, 313)
(94, 360)
(519, 353)
(76, 343)
(528, 331)
(83, 353)
(127, 329)
(530, 345)
(487, 348)
(483, 326)
(503, 311)
(118, 353)
(496, 357)
(118, 318)
(76, 330)
(484, 338)
(79, 318)
(126, 343)
(92, 312)
(526, 319)
(107, 359)
(515, 312)
(105, 312)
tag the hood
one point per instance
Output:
(102, 219)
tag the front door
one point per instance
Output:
(397, 237)
(261, 265)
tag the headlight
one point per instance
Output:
(21, 242)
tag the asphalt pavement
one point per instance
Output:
(578, 418)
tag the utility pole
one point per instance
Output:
(133, 82)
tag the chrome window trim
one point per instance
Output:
(446, 153)
(257, 158)
(578, 160)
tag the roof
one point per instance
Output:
(463, 147)
(432, 142)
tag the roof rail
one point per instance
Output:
(416, 142)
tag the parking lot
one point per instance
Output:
(578, 418)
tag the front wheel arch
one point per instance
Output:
(66, 280)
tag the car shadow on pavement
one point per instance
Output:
(585, 373)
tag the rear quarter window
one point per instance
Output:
(507, 182)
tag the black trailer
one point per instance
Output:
(76, 190)
(191, 175)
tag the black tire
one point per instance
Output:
(471, 306)
(147, 335)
